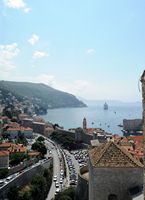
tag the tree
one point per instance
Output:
(16, 158)
(39, 188)
(40, 139)
(3, 173)
(68, 194)
(13, 193)
(21, 138)
(25, 195)
(39, 146)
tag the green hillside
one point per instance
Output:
(52, 97)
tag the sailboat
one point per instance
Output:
(105, 106)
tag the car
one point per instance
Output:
(61, 181)
(57, 190)
(9, 178)
(56, 184)
(54, 178)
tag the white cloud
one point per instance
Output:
(7, 53)
(40, 54)
(90, 51)
(34, 39)
(17, 4)
(26, 10)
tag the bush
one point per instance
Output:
(3, 173)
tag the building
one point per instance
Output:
(39, 127)
(12, 148)
(132, 127)
(85, 134)
(4, 159)
(27, 122)
(143, 105)
(13, 132)
(113, 173)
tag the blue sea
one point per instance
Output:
(105, 119)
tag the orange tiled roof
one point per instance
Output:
(4, 153)
(34, 153)
(11, 147)
(112, 155)
(5, 145)
(19, 129)
(17, 148)
(13, 124)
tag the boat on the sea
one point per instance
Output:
(120, 125)
(105, 106)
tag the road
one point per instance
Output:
(56, 168)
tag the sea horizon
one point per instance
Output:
(96, 116)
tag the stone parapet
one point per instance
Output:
(143, 105)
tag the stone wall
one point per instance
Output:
(143, 104)
(83, 185)
(117, 181)
(24, 178)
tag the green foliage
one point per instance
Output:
(66, 140)
(48, 96)
(3, 173)
(40, 146)
(47, 174)
(21, 139)
(13, 193)
(16, 158)
(25, 195)
(68, 194)
(39, 187)
(40, 139)
(36, 190)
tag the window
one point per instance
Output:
(112, 197)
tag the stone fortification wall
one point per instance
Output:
(143, 105)
(24, 178)
(132, 124)
(106, 181)
(65, 132)
(83, 185)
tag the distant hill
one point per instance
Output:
(48, 95)
(109, 102)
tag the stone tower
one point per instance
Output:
(113, 173)
(84, 124)
(143, 105)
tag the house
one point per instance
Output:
(4, 159)
(13, 132)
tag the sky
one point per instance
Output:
(94, 49)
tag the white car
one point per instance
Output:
(55, 178)
(56, 184)
(57, 190)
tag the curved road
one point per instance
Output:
(56, 168)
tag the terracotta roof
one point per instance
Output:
(14, 148)
(34, 153)
(112, 155)
(5, 145)
(13, 124)
(19, 129)
(4, 153)
(11, 147)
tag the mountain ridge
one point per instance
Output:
(52, 97)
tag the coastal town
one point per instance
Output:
(81, 163)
